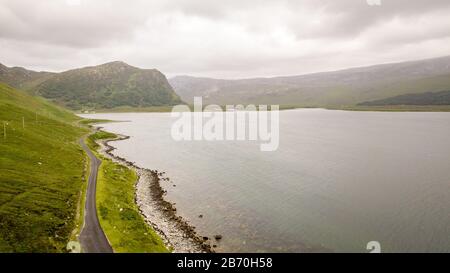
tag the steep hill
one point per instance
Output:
(42, 173)
(345, 87)
(109, 85)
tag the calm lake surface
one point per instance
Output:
(338, 180)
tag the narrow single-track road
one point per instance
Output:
(92, 237)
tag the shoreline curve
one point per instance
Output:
(160, 214)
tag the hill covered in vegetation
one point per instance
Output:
(106, 86)
(42, 173)
(428, 98)
(327, 89)
(20, 77)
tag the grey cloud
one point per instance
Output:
(55, 22)
(221, 38)
(349, 18)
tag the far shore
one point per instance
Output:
(387, 108)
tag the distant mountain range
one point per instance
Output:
(327, 89)
(117, 84)
(109, 85)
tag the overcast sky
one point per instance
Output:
(222, 39)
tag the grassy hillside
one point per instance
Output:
(20, 77)
(429, 98)
(328, 89)
(42, 173)
(107, 86)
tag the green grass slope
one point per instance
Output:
(42, 171)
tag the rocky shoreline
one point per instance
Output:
(160, 214)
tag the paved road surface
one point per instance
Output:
(92, 237)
